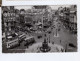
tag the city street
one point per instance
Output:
(43, 25)
(62, 37)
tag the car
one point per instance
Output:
(49, 32)
(14, 34)
(39, 36)
(32, 29)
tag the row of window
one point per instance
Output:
(8, 14)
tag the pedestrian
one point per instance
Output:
(56, 32)
(27, 46)
(60, 41)
(53, 33)
(45, 35)
(52, 42)
(47, 39)
(66, 48)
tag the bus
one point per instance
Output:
(22, 37)
(12, 42)
(29, 40)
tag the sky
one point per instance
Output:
(55, 7)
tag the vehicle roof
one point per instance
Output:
(28, 37)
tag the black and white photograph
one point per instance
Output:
(39, 28)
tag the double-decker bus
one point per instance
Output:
(22, 37)
(12, 41)
(29, 40)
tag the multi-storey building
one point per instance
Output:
(68, 15)
(43, 15)
(38, 16)
(9, 19)
(73, 18)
